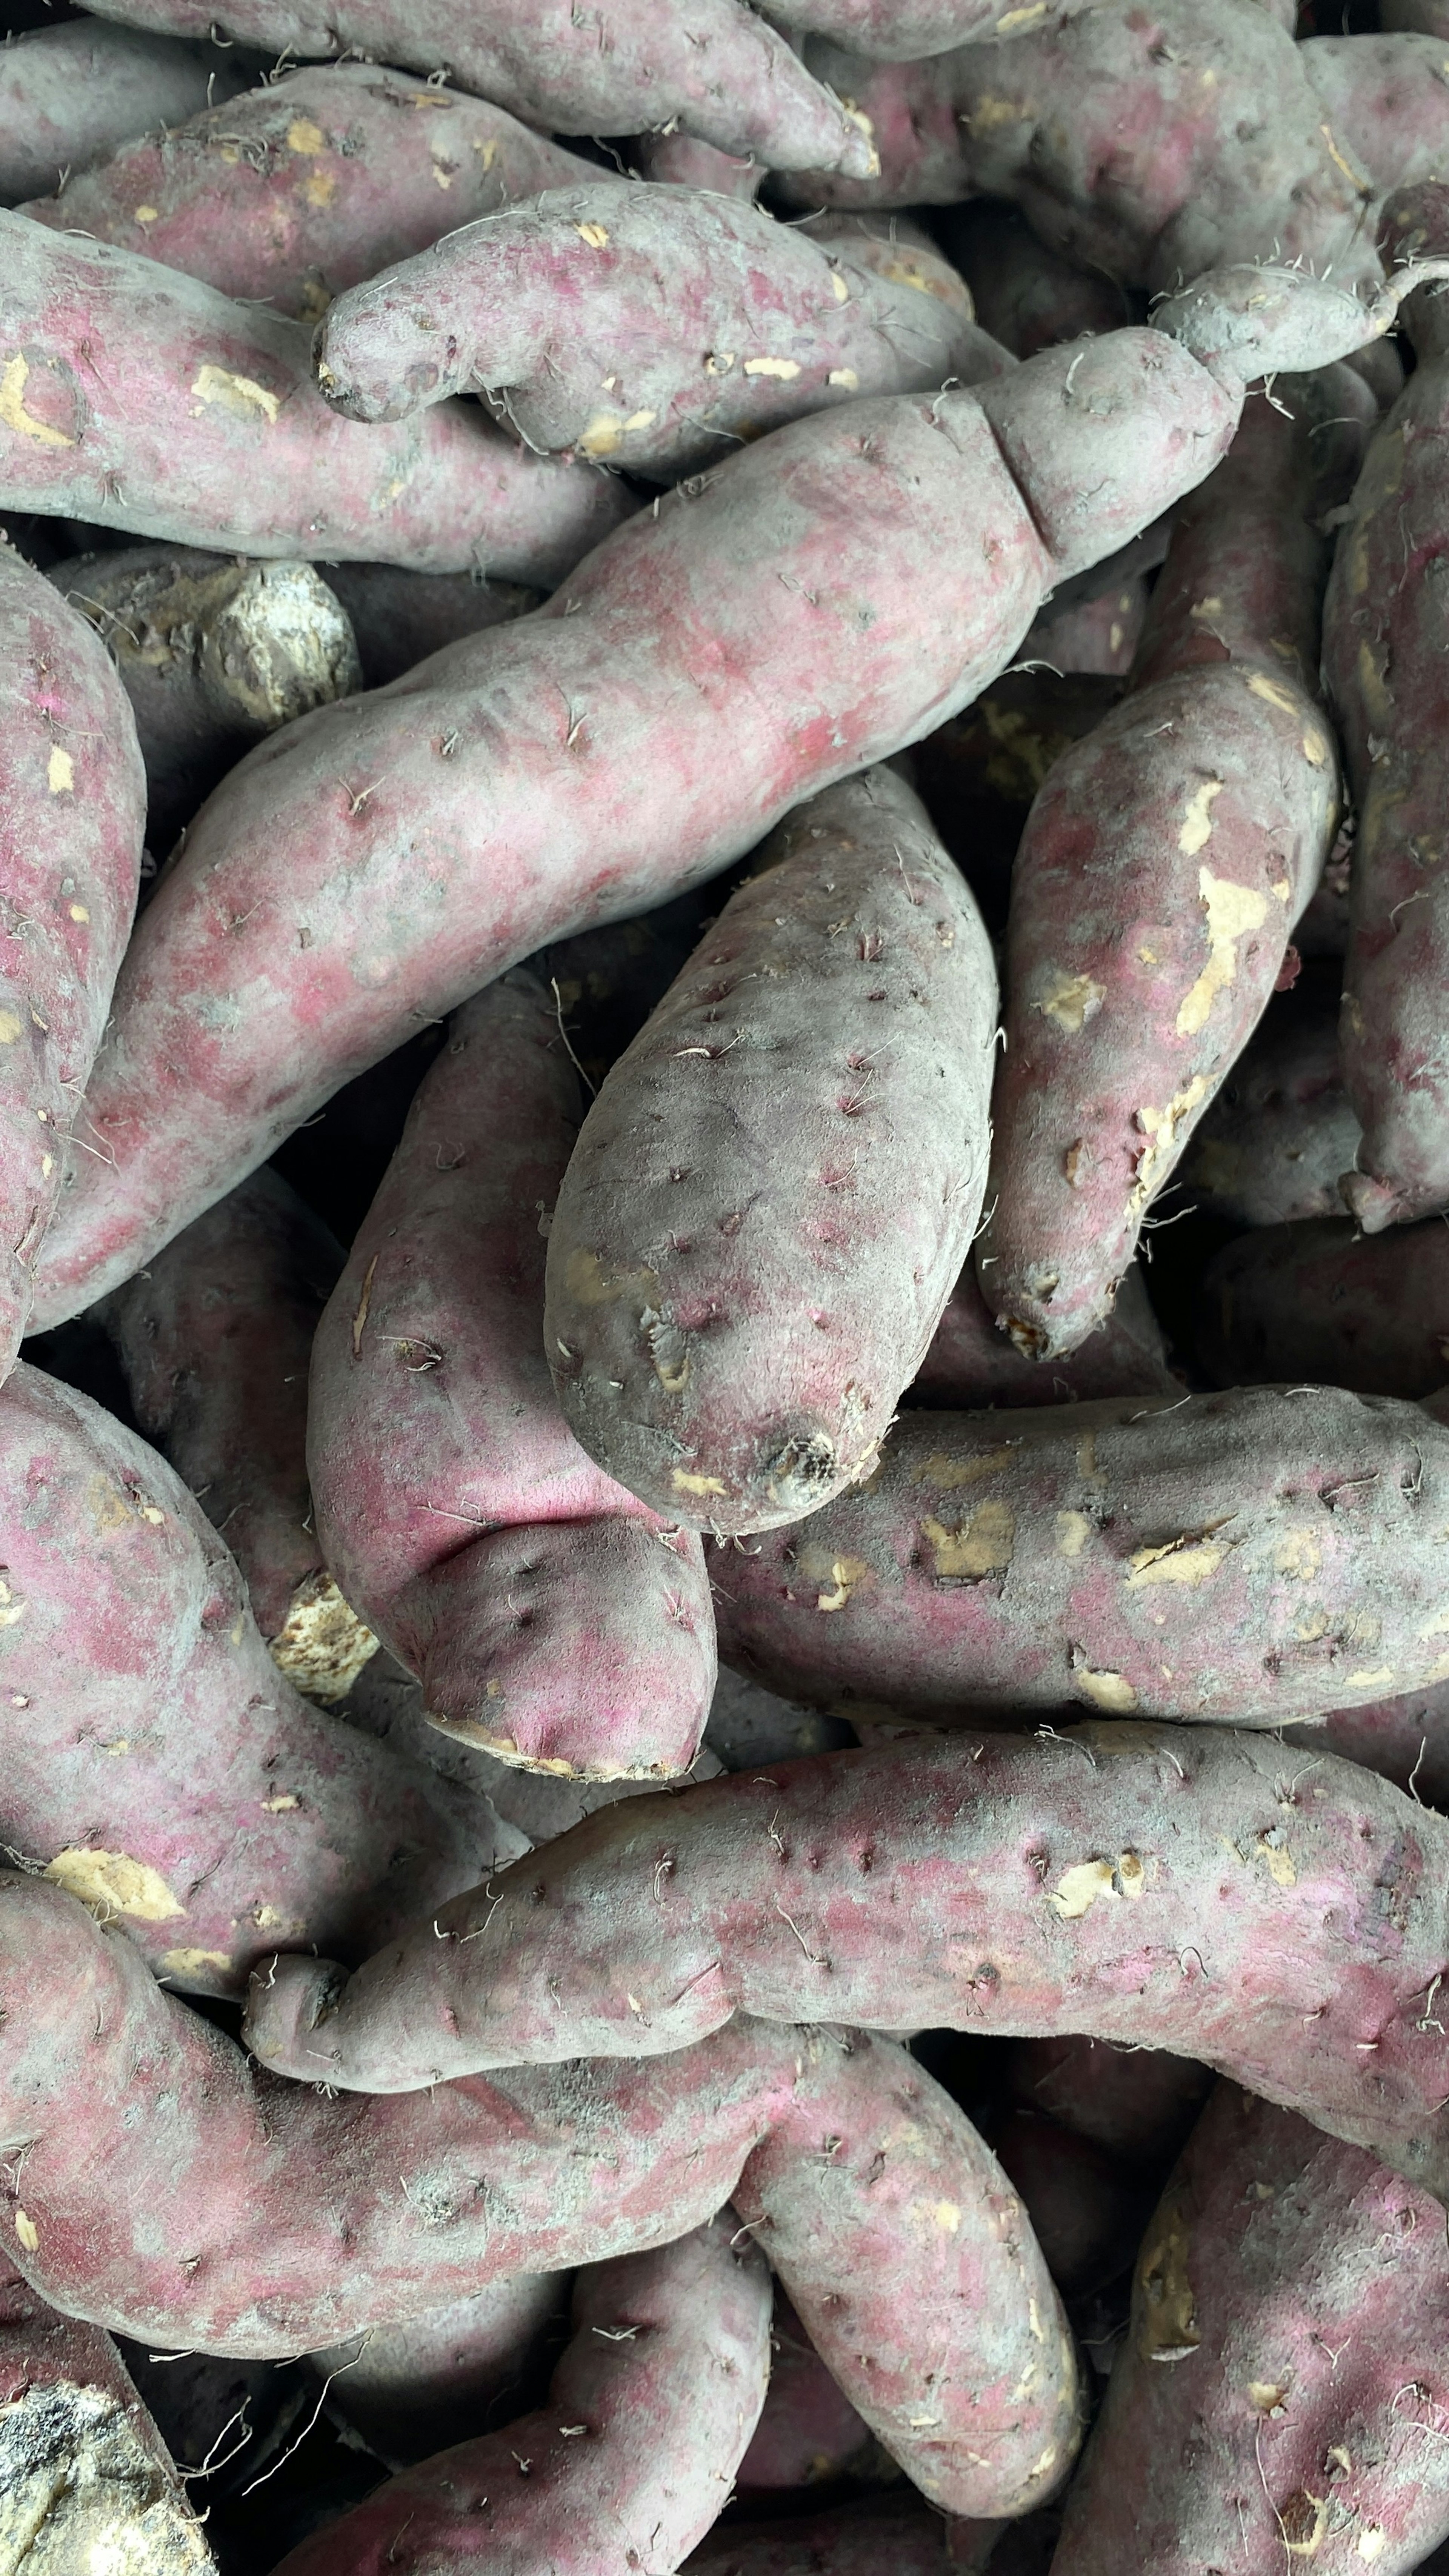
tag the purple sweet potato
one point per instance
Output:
(1137, 2104)
(1405, 1740)
(630, 2458)
(866, 572)
(676, 160)
(1282, 1919)
(730, 1329)
(808, 2433)
(550, 1618)
(1026, 295)
(72, 814)
(1163, 866)
(713, 65)
(414, 2389)
(399, 617)
(1280, 2396)
(302, 188)
(156, 1762)
(971, 1365)
(655, 328)
(852, 2540)
(71, 94)
(1321, 1300)
(138, 398)
(902, 2246)
(214, 1339)
(1271, 1147)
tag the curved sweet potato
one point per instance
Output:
(70, 94)
(417, 2388)
(1321, 1300)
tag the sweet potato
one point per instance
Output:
(1272, 1145)
(414, 2389)
(137, 398)
(214, 1339)
(853, 2540)
(1280, 1918)
(808, 2433)
(1026, 295)
(156, 1762)
(840, 563)
(1137, 2104)
(86, 2481)
(679, 2339)
(971, 1365)
(1280, 2395)
(72, 813)
(711, 64)
(729, 1333)
(71, 94)
(550, 1618)
(1320, 1300)
(301, 188)
(675, 160)
(399, 617)
(1405, 1740)
(901, 2245)
(655, 329)
(978, 775)
(213, 653)
(1163, 866)
(1087, 2209)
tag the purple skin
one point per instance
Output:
(1321, 1300)
(903, 2247)
(1271, 1147)
(1174, 1887)
(550, 1617)
(971, 1364)
(73, 93)
(1026, 296)
(137, 398)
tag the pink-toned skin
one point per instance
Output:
(413, 2389)
(1163, 866)
(137, 398)
(628, 2462)
(1138, 2104)
(711, 64)
(854, 2540)
(971, 1365)
(1384, 663)
(436, 832)
(298, 190)
(736, 1301)
(1102, 634)
(904, 30)
(399, 618)
(1405, 1740)
(156, 1761)
(1172, 1887)
(72, 816)
(1272, 1145)
(550, 1618)
(72, 93)
(612, 321)
(1280, 2396)
(808, 2433)
(902, 2246)
(675, 160)
(1027, 296)
(1321, 1300)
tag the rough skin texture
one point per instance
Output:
(436, 832)
(1273, 1143)
(614, 322)
(1163, 866)
(1320, 1300)
(1280, 2395)
(156, 1762)
(214, 1339)
(735, 1303)
(1282, 1919)
(414, 2389)
(902, 2246)
(70, 94)
(970, 1365)
(677, 2338)
(549, 1617)
(399, 618)
(902, 30)
(137, 398)
(710, 64)
(72, 814)
(1245, 1558)
(301, 189)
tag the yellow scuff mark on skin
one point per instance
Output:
(673, 1380)
(78, 912)
(111, 1882)
(1315, 749)
(1071, 1001)
(27, 2231)
(592, 1282)
(1167, 2328)
(1274, 692)
(640, 419)
(233, 393)
(845, 1573)
(1438, 1626)
(845, 377)
(1033, 2318)
(1281, 888)
(1371, 2542)
(322, 1644)
(947, 2217)
(285, 1804)
(487, 152)
(982, 1545)
(684, 1483)
(14, 378)
(194, 1963)
(1298, 1554)
(1181, 1561)
(1073, 1531)
(11, 1025)
(148, 214)
(1281, 1867)
(1378, 1677)
(305, 135)
(1302, 2537)
(320, 187)
(1265, 2394)
(1015, 18)
(842, 291)
(1078, 1888)
(12, 1608)
(119, 1744)
(989, 113)
(1160, 1127)
(1378, 705)
(948, 1475)
(1107, 1690)
(1232, 912)
(596, 235)
(1197, 821)
(1206, 608)
(785, 368)
(1349, 172)
(603, 435)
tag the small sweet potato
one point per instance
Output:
(1027, 295)
(676, 160)
(550, 1618)
(1272, 1145)
(971, 1365)
(71, 94)
(414, 2389)
(730, 1329)
(400, 617)
(808, 2434)
(1321, 1300)
(1137, 2104)
(632, 2455)
(137, 398)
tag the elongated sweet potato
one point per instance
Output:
(1282, 1919)
(679, 2339)
(72, 814)
(71, 94)
(730, 1332)
(399, 617)
(655, 329)
(1137, 2104)
(156, 1762)
(137, 398)
(1280, 2396)
(445, 2377)
(891, 2225)
(213, 653)
(1405, 1740)
(711, 64)
(300, 189)
(549, 1617)
(677, 160)
(808, 2434)
(1273, 1143)
(1320, 1300)
(971, 1365)
(215, 1340)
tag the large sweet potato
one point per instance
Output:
(70, 94)
(1321, 1300)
